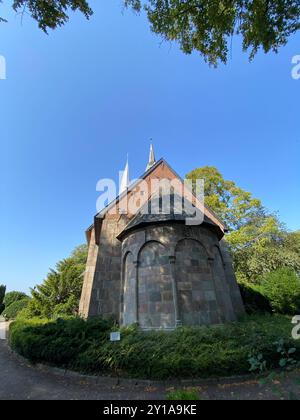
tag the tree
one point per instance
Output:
(235, 206)
(50, 14)
(60, 292)
(13, 310)
(12, 297)
(268, 249)
(2, 294)
(258, 241)
(207, 26)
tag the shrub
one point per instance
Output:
(184, 353)
(282, 289)
(56, 342)
(15, 308)
(254, 300)
(12, 297)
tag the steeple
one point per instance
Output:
(124, 183)
(152, 160)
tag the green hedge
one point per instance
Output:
(278, 292)
(184, 353)
(12, 297)
(13, 310)
(254, 300)
(282, 289)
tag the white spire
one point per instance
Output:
(124, 183)
(152, 160)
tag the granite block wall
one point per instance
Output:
(179, 278)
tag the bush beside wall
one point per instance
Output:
(282, 289)
(278, 292)
(185, 353)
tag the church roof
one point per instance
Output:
(152, 213)
(130, 188)
(101, 215)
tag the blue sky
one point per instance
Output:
(76, 101)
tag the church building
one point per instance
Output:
(154, 269)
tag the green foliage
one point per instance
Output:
(184, 395)
(12, 297)
(257, 362)
(56, 342)
(287, 360)
(257, 240)
(12, 311)
(279, 292)
(184, 353)
(208, 26)
(204, 26)
(2, 294)
(282, 289)
(60, 292)
(254, 300)
(232, 204)
(260, 249)
(51, 14)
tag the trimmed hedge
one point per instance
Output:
(223, 350)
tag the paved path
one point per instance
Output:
(19, 380)
(22, 381)
(3, 329)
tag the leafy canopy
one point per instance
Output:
(235, 206)
(206, 26)
(266, 250)
(53, 13)
(12, 297)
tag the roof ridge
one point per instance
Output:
(117, 199)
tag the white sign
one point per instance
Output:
(115, 336)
